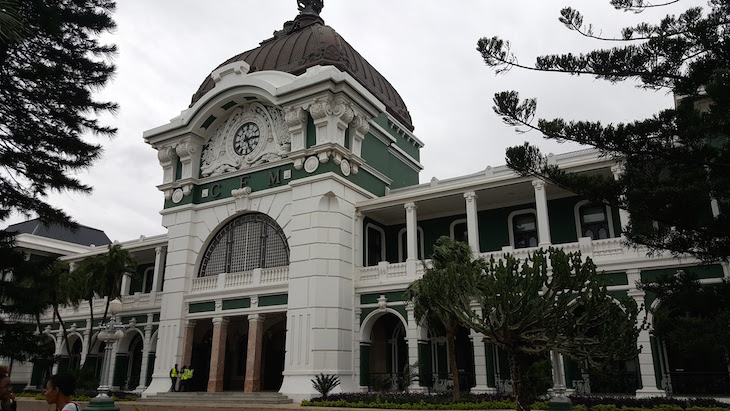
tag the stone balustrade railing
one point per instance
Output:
(600, 251)
(225, 281)
(135, 301)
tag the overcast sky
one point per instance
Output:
(425, 48)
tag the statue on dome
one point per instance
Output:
(310, 6)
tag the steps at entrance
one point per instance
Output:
(231, 397)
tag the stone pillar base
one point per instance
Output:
(483, 389)
(650, 392)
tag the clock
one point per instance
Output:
(246, 138)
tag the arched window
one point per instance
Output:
(248, 242)
(524, 227)
(375, 245)
(594, 221)
(459, 231)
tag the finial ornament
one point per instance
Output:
(310, 6)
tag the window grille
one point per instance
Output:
(246, 243)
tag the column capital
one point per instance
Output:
(636, 294)
(358, 216)
(410, 307)
(538, 184)
(220, 320)
(296, 117)
(618, 170)
(410, 206)
(253, 318)
(470, 196)
(158, 250)
(190, 324)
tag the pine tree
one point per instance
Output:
(51, 62)
(49, 67)
(676, 183)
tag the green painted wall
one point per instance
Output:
(702, 272)
(425, 368)
(493, 230)
(311, 131)
(373, 298)
(401, 141)
(491, 376)
(610, 279)
(274, 177)
(365, 365)
(236, 304)
(269, 300)
(561, 213)
(202, 307)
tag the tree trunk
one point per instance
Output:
(91, 329)
(106, 310)
(63, 329)
(516, 369)
(452, 362)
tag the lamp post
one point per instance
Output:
(111, 333)
(559, 401)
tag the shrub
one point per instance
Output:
(325, 383)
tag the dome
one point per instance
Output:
(307, 42)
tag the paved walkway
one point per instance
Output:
(28, 404)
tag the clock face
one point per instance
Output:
(246, 139)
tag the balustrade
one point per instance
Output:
(269, 276)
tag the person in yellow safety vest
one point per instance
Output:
(173, 377)
(183, 378)
(190, 378)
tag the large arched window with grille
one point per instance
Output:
(248, 242)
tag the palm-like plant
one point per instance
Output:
(325, 383)
(445, 291)
(105, 273)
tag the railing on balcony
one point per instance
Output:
(609, 248)
(257, 277)
(137, 300)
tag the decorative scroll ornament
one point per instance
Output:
(271, 142)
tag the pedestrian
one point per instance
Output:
(190, 376)
(7, 399)
(173, 377)
(184, 379)
(59, 390)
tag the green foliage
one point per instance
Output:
(444, 292)
(677, 160)
(325, 383)
(692, 318)
(538, 379)
(18, 302)
(51, 62)
(551, 302)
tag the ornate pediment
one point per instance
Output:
(254, 134)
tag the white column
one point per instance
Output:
(85, 344)
(472, 221)
(411, 230)
(159, 267)
(543, 223)
(624, 216)
(412, 334)
(480, 363)
(646, 360)
(411, 236)
(126, 283)
(359, 245)
(145, 354)
(59, 347)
